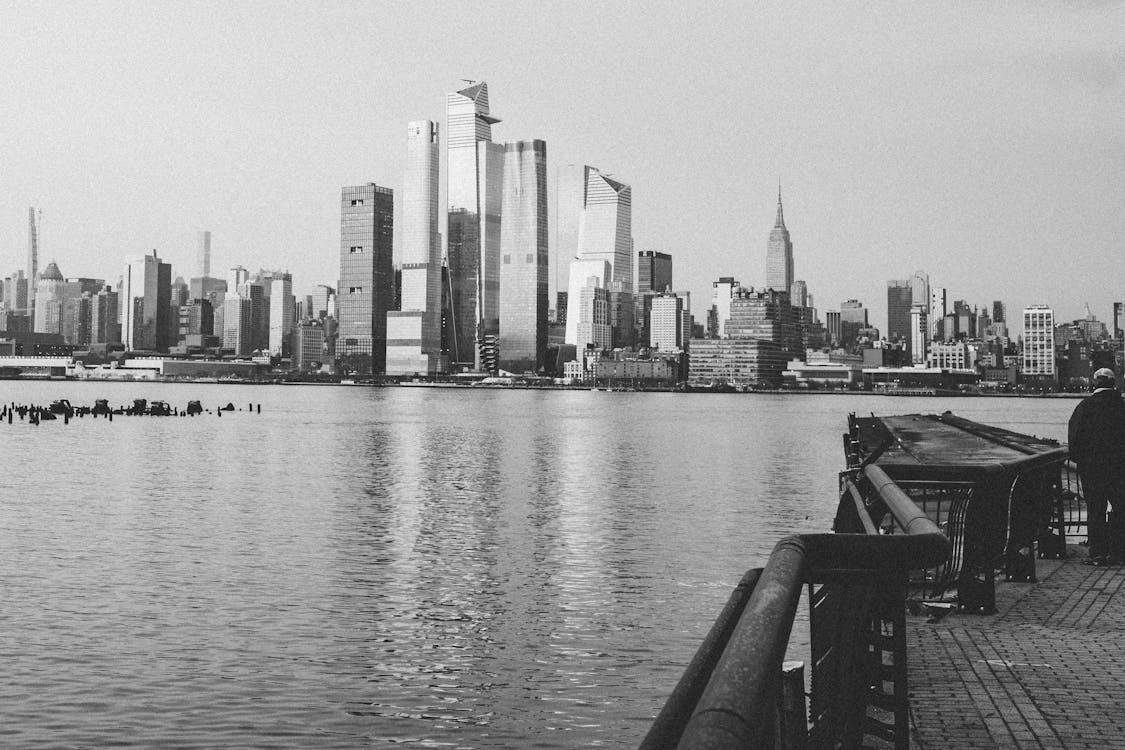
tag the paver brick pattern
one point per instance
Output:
(1046, 671)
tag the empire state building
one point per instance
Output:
(779, 254)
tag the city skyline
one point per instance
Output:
(940, 157)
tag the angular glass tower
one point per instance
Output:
(366, 277)
(474, 174)
(414, 331)
(524, 258)
(605, 236)
(779, 254)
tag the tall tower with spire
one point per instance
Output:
(779, 253)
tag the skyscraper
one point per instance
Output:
(474, 174)
(605, 230)
(1038, 342)
(605, 235)
(654, 272)
(281, 314)
(938, 310)
(32, 259)
(366, 273)
(779, 253)
(524, 258)
(902, 295)
(145, 302)
(899, 300)
(237, 328)
(203, 255)
(414, 331)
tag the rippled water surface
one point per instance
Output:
(360, 567)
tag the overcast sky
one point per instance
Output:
(983, 143)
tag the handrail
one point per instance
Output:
(736, 707)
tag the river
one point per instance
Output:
(359, 567)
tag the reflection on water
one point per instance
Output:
(359, 567)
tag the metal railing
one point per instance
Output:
(729, 695)
(999, 516)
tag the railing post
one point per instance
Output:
(792, 715)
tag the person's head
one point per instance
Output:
(1104, 378)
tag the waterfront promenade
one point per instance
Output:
(1046, 671)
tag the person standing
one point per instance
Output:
(1096, 434)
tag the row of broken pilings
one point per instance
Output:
(36, 413)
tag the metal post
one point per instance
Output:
(792, 716)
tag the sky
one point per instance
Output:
(982, 143)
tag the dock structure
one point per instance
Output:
(949, 609)
(1045, 671)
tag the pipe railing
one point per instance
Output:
(728, 696)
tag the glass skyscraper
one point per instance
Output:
(414, 331)
(366, 273)
(524, 258)
(474, 174)
(605, 235)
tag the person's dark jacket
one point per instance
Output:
(1096, 432)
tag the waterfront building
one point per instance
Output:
(237, 324)
(737, 362)
(524, 258)
(765, 315)
(474, 174)
(366, 271)
(779, 253)
(654, 272)
(203, 253)
(824, 371)
(282, 303)
(414, 330)
(1038, 359)
(146, 291)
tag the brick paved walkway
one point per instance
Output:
(1046, 671)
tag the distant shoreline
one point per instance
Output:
(554, 387)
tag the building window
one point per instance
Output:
(507, 259)
(355, 249)
(531, 257)
(357, 202)
(355, 290)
